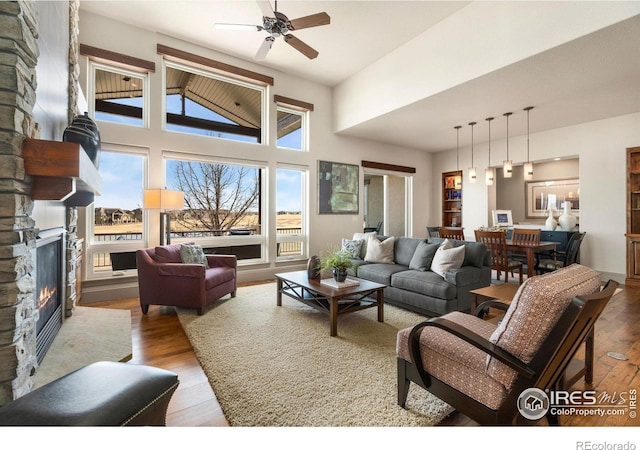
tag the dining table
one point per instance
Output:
(530, 251)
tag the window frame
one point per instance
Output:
(303, 237)
(146, 89)
(236, 240)
(263, 89)
(304, 128)
(93, 247)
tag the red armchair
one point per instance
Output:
(164, 280)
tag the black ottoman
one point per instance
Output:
(100, 394)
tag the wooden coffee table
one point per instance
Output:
(330, 300)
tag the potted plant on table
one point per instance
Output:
(338, 261)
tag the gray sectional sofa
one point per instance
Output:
(420, 289)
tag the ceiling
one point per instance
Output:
(591, 78)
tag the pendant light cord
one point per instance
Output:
(527, 109)
(472, 124)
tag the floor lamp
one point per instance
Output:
(164, 200)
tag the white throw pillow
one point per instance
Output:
(380, 252)
(365, 237)
(447, 257)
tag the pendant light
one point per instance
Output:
(507, 168)
(528, 166)
(472, 169)
(458, 178)
(489, 173)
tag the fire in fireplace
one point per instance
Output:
(49, 288)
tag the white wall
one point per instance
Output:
(601, 147)
(325, 230)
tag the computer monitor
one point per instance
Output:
(502, 218)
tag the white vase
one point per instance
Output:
(550, 223)
(567, 220)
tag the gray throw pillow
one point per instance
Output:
(423, 256)
(353, 248)
(193, 254)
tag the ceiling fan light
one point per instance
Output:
(489, 176)
(507, 169)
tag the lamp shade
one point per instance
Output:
(163, 199)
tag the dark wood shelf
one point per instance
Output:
(61, 171)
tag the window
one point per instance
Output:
(117, 228)
(291, 235)
(223, 206)
(291, 128)
(119, 96)
(204, 103)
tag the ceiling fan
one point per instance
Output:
(277, 24)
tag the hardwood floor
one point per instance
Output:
(158, 340)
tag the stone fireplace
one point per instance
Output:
(26, 55)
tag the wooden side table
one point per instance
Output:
(577, 369)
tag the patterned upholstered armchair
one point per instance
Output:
(481, 369)
(163, 279)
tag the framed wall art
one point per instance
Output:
(338, 185)
(540, 195)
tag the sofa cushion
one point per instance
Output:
(447, 257)
(405, 249)
(352, 247)
(168, 254)
(423, 256)
(193, 254)
(425, 283)
(380, 252)
(364, 237)
(379, 273)
(218, 275)
(464, 367)
(533, 312)
(474, 253)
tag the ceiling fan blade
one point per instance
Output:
(264, 48)
(300, 46)
(265, 7)
(314, 20)
(237, 26)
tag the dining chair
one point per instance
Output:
(433, 231)
(561, 258)
(496, 243)
(451, 233)
(524, 236)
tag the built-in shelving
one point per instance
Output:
(452, 199)
(633, 217)
(61, 171)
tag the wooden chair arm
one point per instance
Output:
(483, 307)
(468, 336)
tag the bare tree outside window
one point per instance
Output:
(218, 197)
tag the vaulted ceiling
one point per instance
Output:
(588, 77)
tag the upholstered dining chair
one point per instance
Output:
(560, 258)
(496, 243)
(482, 369)
(451, 233)
(163, 279)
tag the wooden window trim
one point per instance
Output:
(180, 56)
(293, 103)
(117, 59)
(392, 167)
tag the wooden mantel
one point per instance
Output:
(61, 171)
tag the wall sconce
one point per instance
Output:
(507, 168)
(164, 200)
(489, 173)
(528, 166)
(472, 169)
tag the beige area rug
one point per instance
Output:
(278, 366)
(89, 335)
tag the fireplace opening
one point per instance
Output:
(49, 288)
